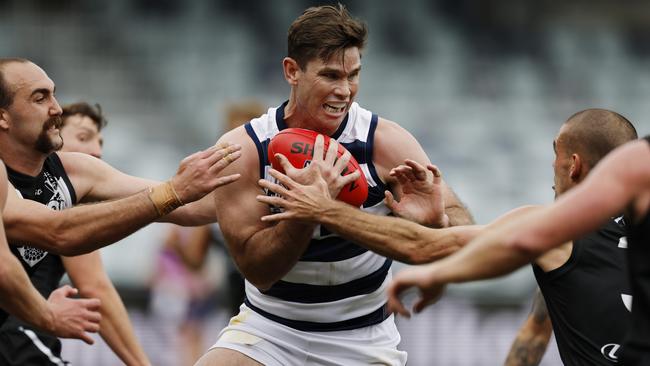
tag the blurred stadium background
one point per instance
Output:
(483, 85)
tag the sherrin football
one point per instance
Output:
(297, 144)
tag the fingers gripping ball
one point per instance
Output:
(297, 145)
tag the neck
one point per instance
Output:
(24, 160)
(295, 117)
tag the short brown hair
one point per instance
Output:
(323, 31)
(6, 94)
(86, 110)
(593, 133)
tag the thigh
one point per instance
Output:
(224, 356)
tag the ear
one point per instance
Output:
(577, 168)
(4, 119)
(291, 70)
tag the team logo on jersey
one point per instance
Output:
(610, 351)
(31, 255)
(59, 200)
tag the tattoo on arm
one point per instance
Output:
(531, 342)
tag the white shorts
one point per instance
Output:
(274, 344)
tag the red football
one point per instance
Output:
(297, 144)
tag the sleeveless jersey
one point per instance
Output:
(588, 297)
(52, 188)
(636, 348)
(336, 284)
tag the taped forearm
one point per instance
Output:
(80, 229)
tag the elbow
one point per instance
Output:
(64, 240)
(261, 280)
(524, 246)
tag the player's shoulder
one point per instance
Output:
(390, 135)
(391, 129)
(75, 162)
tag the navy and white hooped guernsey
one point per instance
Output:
(336, 284)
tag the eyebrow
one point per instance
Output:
(554, 149)
(338, 71)
(44, 91)
(88, 130)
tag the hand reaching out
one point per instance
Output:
(422, 278)
(73, 317)
(421, 198)
(198, 173)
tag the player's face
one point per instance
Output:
(561, 166)
(35, 114)
(325, 90)
(80, 134)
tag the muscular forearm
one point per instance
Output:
(82, 229)
(393, 237)
(19, 298)
(527, 350)
(271, 253)
(490, 255)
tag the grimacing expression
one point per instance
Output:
(326, 89)
(34, 112)
(80, 134)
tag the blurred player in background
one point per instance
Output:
(81, 132)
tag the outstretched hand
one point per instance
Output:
(324, 165)
(421, 198)
(423, 279)
(198, 174)
(74, 317)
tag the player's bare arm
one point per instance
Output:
(197, 177)
(264, 252)
(532, 339)
(393, 237)
(624, 174)
(390, 236)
